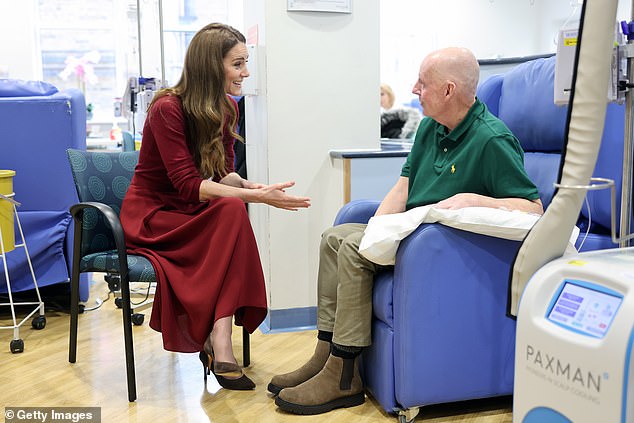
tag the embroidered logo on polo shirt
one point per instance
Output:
(453, 168)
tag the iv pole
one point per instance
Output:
(628, 158)
(162, 43)
(161, 40)
(138, 34)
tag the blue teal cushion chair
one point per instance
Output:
(102, 180)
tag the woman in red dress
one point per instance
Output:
(185, 208)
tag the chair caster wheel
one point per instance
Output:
(114, 282)
(38, 322)
(408, 415)
(17, 346)
(137, 319)
(118, 302)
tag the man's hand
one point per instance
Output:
(462, 200)
(466, 199)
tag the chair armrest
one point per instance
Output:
(357, 211)
(111, 218)
(449, 304)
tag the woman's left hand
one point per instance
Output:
(275, 195)
(235, 180)
(251, 185)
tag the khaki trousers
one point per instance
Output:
(344, 286)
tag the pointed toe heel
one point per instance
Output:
(229, 375)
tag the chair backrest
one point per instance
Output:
(102, 177)
(489, 92)
(523, 99)
(38, 125)
(609, 165)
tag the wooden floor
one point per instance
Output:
(170, 386)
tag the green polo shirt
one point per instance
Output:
(479, 156)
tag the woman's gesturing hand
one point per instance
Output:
(276, 196)
(251, 185)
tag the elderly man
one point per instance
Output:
(462, 156)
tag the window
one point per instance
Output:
(94, 46)
(78, 48)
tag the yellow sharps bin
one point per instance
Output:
(6, 210)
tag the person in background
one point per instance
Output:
(397, 122)
(185, 208)
(387, 97)
(462, 156)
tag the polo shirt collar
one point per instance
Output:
(474, 112)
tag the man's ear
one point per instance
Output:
(450, 88)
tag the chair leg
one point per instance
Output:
(74, 316)
(127, 334)
(246, 348)
(246, 342)
(74, 290)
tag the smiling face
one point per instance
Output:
(235, 65)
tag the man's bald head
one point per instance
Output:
(458, 65)
(446, 85)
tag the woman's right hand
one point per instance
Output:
(276, 196)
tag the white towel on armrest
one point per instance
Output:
(384, 233)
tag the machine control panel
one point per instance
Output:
(584, 308)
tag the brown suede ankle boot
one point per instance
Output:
(337, 385)
(301, 375)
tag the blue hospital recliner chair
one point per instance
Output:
(38, 124)
(440, 327)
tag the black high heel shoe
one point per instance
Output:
(228, 375)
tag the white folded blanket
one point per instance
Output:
(384, 233)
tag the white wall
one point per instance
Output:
(319, 74)
(18, 48)
(490, 28)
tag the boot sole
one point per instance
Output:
(274, 389)
(351, 401)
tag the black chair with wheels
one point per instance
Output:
(102, 180)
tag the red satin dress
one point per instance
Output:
(204, 253)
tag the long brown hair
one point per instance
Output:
(201, 88)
